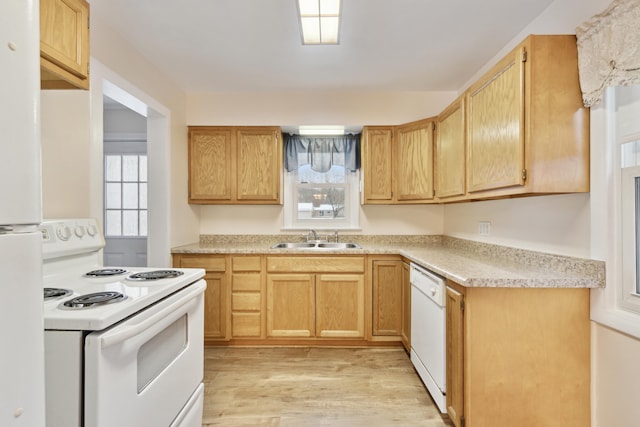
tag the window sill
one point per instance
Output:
(323, 229)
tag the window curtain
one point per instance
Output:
(321, 152)
(609, 50)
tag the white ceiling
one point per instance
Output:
(255, 45)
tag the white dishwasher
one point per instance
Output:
(428, 336)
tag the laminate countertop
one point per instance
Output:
(468, 263)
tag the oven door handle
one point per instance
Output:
(166, 315)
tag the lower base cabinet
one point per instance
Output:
(215, 297)
(518, 357)
(315, 305)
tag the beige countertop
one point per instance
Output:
(471, 264)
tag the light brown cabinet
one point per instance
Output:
(246, 297)
(387, 287)
(235, 165)
(215, 297)
(414, 162)
(406, 307)
(512, 351)
(321, 297)
(527, 130)
(377, 164)
(450, 153)
(64, 44)
(397, 163)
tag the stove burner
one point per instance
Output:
(55, 293)
(94, 299)
(106, 272)
(155, 275)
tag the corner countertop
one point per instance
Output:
(468, 263)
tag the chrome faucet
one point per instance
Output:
(315, 235)
(335, 236)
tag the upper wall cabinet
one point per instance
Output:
(235, 165)
(397, 163)
(64, 44)
(527, 129)
(414, 162)
(450, 165)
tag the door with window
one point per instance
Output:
(125, 213)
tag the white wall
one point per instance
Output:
(419, 219)
(66, 170)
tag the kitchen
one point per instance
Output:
(555, 224)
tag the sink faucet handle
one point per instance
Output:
(335, 236)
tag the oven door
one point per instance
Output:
(144, 370)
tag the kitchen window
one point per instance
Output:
(615, 207)
(321, 182)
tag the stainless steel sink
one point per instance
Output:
(311, 245)
(339, 245)
(293, 245)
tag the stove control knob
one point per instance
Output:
(63, 232)
(79, 231)
(92, 230)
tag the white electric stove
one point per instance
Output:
(126, 338)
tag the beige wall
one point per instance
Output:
(66, 169)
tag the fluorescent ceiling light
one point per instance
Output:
(319, 21)
(321, 130)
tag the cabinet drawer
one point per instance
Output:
(209, 263)
(246, 302)
(245, 263)
(246, 282)
(318, 264)
(245, 324)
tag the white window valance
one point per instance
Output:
(609, 50)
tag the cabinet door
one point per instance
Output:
(64, 43)
(210, 160)
(290, 305)
(455, 356)
(340, 305)
(259, 154)
(215, 324)
(387, 298)
(377, 164)
(414, 161)
(450, 152)
(406, 307)
(496, 126)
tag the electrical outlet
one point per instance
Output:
(484, 228)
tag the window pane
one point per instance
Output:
(130, 196)
(113, 196)
(335, 175)
(143, 196)
(320, 202)
(143, 168)
(143, 223)
(114, 223)
(130, 223)
(113, 168)
(129, 168)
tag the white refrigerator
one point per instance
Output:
(21, 323)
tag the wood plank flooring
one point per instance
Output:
(295, 387)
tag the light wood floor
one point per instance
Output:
(307, 387)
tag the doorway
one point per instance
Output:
(125, 180)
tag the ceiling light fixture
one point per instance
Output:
(321, 130)
(319, 21)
